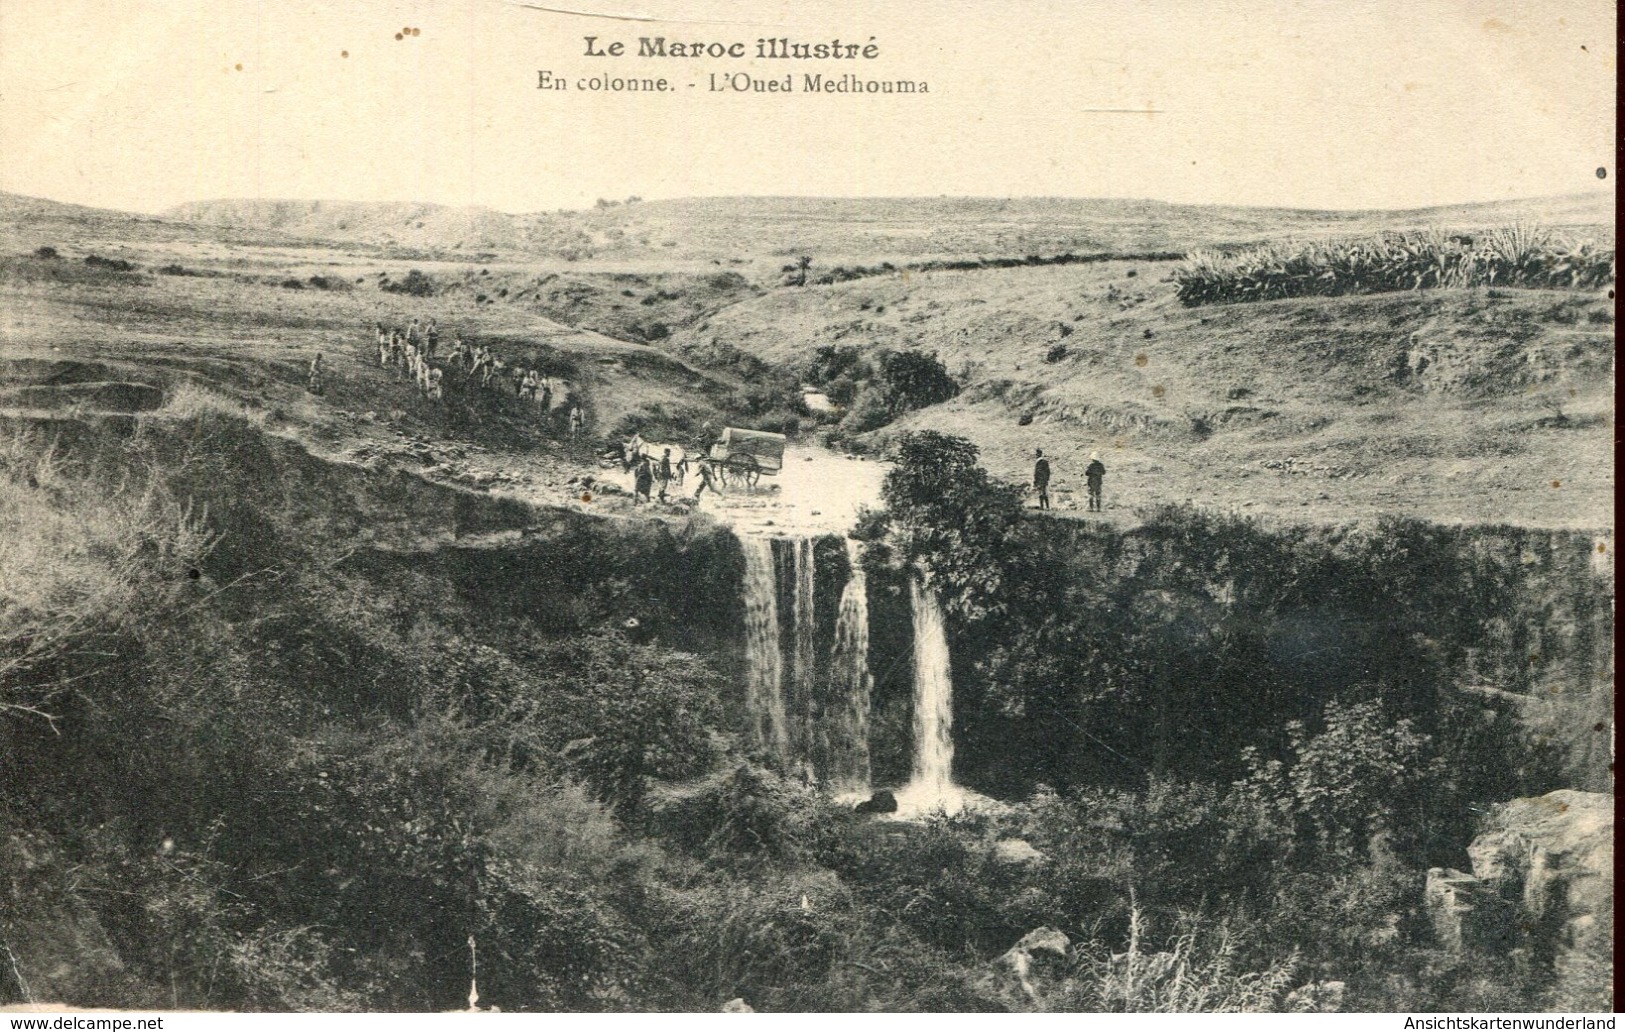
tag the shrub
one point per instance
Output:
(46, 252)
(552, 942)
(78, 565)
(866, 411)
(188, 400)
(96, 261)
(1519, 256)
(1196, 969)
(416, 284)
(914, 380)
(1360, 775)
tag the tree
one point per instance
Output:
(914, 380)
(802, 265)
(1364, 772)
(954, 520)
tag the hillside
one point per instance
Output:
(1463, 406)
(34, 221)
(743, 229)
(324, 689)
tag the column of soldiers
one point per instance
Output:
(412, 352)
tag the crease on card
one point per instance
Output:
(627, 17)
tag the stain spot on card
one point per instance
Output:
(1141, 359)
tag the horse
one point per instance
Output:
(637, 448)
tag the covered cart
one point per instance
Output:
(744, 455)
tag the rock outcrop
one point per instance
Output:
(1041, 951)
(1542, 882)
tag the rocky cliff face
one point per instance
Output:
(1541, 887)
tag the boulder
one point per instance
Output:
(1041, 952)
(1017, 851)
(1467, 914)
(737, 1005)
(881, 802)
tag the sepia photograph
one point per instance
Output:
(686, 506)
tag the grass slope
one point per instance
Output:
(745, 228)
(1455, 405)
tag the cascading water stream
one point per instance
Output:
(764, 664)
(846, 724)
(803, 701)
(932, 786)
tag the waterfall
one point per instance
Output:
(846, 725)
(812, 720)
(932, 786)
(764, 666)
(803, 702)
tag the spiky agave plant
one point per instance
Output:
(1523, 254)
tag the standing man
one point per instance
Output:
(664, 473)
(431, 339)
(1095, 473)
(642, 480)
(1041, 479)
(576, 419)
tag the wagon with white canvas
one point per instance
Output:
(745, 456)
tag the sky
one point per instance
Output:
(1391, 104)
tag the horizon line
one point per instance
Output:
(1572, 195)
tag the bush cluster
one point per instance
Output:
(1514, 256)
(416, 284)
(96, 261)
(875, 388)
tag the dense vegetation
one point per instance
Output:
(247, 768)
(1285, 706)
(875, 388)
(1515, 256)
